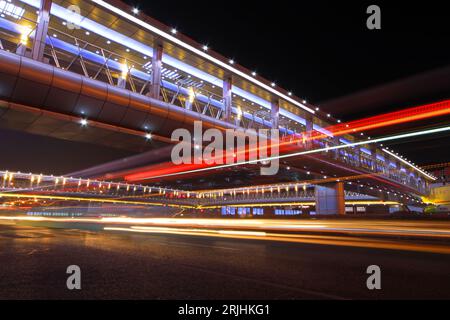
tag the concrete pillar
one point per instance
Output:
(155, 91)
(330, 199)
(227, 97)
(37, 52)
(275, 113)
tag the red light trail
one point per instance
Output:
(366, 124)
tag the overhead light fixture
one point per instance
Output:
(135, 10)
(254, 73)
(148, 136)
(231, 61)
(205, 47)
(84, 122)
(174, 31)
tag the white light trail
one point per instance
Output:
(302, 153)
(409, 164)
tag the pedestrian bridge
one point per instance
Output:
(109, 76)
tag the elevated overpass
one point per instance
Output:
(111, 76)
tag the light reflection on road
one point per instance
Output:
(387, 234)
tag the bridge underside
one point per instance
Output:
(300, 169)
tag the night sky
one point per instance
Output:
(321, 50)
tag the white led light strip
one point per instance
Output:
(396, 137)
(409, 164)
(199, 52)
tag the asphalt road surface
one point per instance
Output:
(123, 265)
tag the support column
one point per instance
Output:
(155, 91)
(227, 97)
(387, 164)
(122, 81)
(37, 52)
(330, 199)
(190, 99)
(399, 167)
(358, 156)
(275, 113)
(309, 129)
(373, 154)
(336, 142)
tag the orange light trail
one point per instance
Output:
(352, 233)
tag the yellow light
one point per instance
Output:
(52, 197)
(24, 34)
(191, 95)
(125, 70)
(239, 113)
